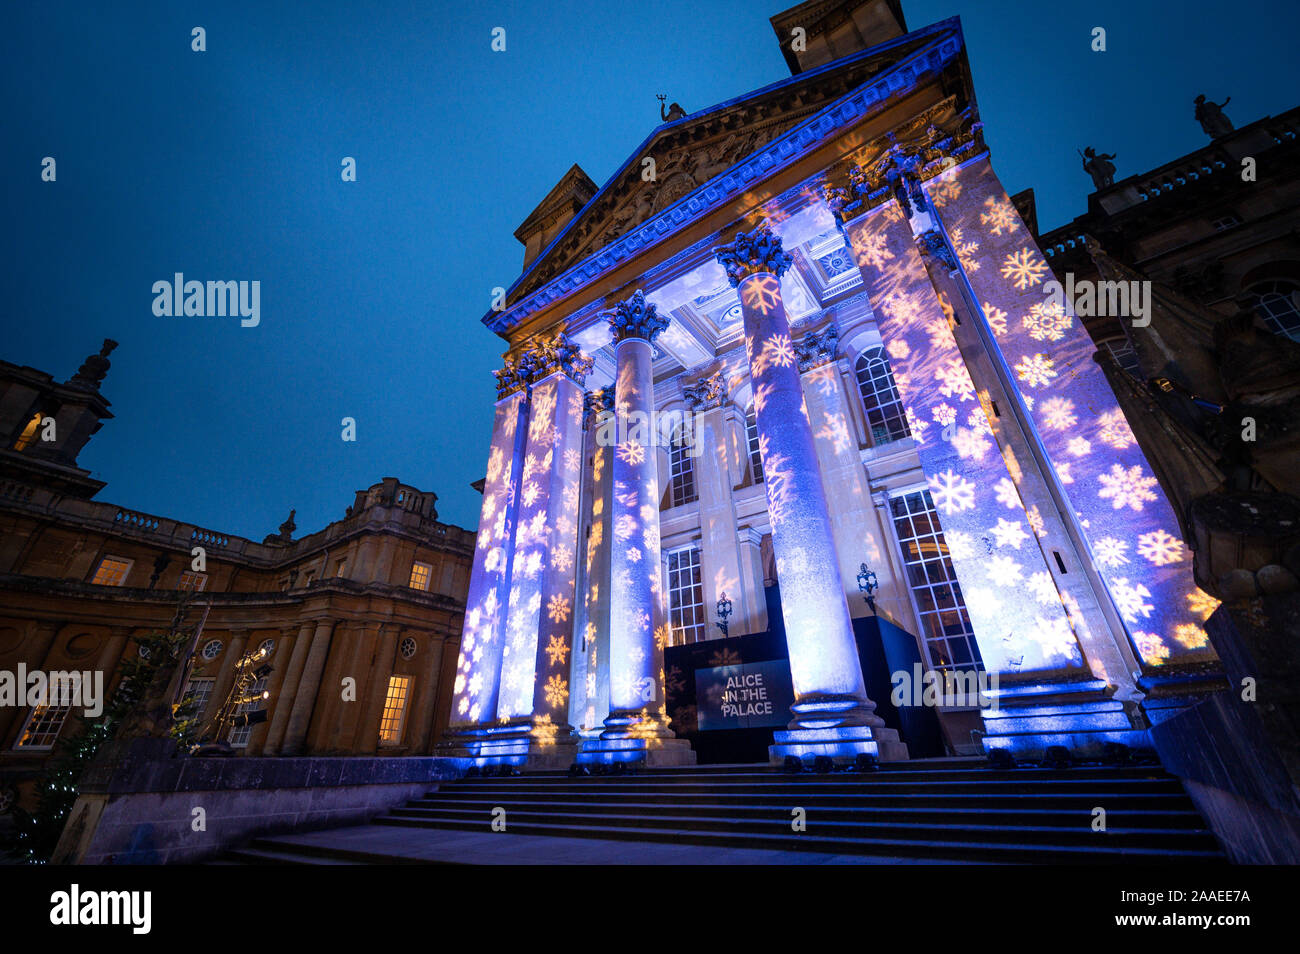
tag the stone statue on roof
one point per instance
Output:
(1099, 166)
(1210, 115)
(671, 113)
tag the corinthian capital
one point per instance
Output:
(751, 253)
(546, 354)
(635, 318)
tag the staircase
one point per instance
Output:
(939, 810)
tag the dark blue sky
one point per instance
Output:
(225, 165)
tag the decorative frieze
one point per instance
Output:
(705, 393)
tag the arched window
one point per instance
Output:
(1278, 304)
(681, 470)
(751, 438)
(885, 416)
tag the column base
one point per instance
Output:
(843, 743)
(653, 752)
(528, 747)
(1080, 716)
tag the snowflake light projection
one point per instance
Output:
(1024, 268)
(964, 480)
(819, 633)
(1115, 493)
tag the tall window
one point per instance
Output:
(944, 624)
(111, 571)
(681, 471)
(43, 727)
(751, 437)
(199, 691)
(28, 437)
(390, 724)
(420, 576)
(686, 596)
(1278, 305)
(885, 416)
(1124, 355)
(240, 734)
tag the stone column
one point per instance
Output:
(982, 483)
(715, 435)
(590, 674)
(832, 714)
(281, 672)
(750, 543)
(365, 740)
(293, 665)
(478, 670)
(426, 697)
(304, 700)
(637, 725)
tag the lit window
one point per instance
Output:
(420, 573)
(751, 437)
(28, 437)
(198, 691)
(885, 416)
(1122, 351)
(944, 624)
(681, 470)
(1278, 306)
(111, 571)
(390, 724)
(193, 581)
(686, 596)
(239, 735)
(43, 727)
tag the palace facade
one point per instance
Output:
(826, 278)
(376, 597)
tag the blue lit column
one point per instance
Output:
(478, 670)
(637, 725)
(832, 714)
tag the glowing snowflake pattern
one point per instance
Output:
(1130, 599)
(557, 650)
(1126, 487)
(997, 318)
(1000, 217)
(556, 690)
(558, 608)
(871, 249)
(1191, 636)
(1160, 548)
(1004, 570)
(952, 493)
(1008, 533)
(1036, 370)
(1058, 413)
(1114, 429)
(1007, 494)
(779, 352)
(956, 381)
(1047, 321)
(1151, 648)
(1023, 268)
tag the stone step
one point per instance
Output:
(268, 852)
(951, 830)
(1182, 817)
(813, 786)
(894, 843)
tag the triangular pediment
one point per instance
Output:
(693, 150)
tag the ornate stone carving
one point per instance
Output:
(904, 158)
(595, 403)
(706, 392)
(538, 357)
(635, 318)
(817, 347)
(750, 253)
(933, 243)
(1210, 115)
(92, 371)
